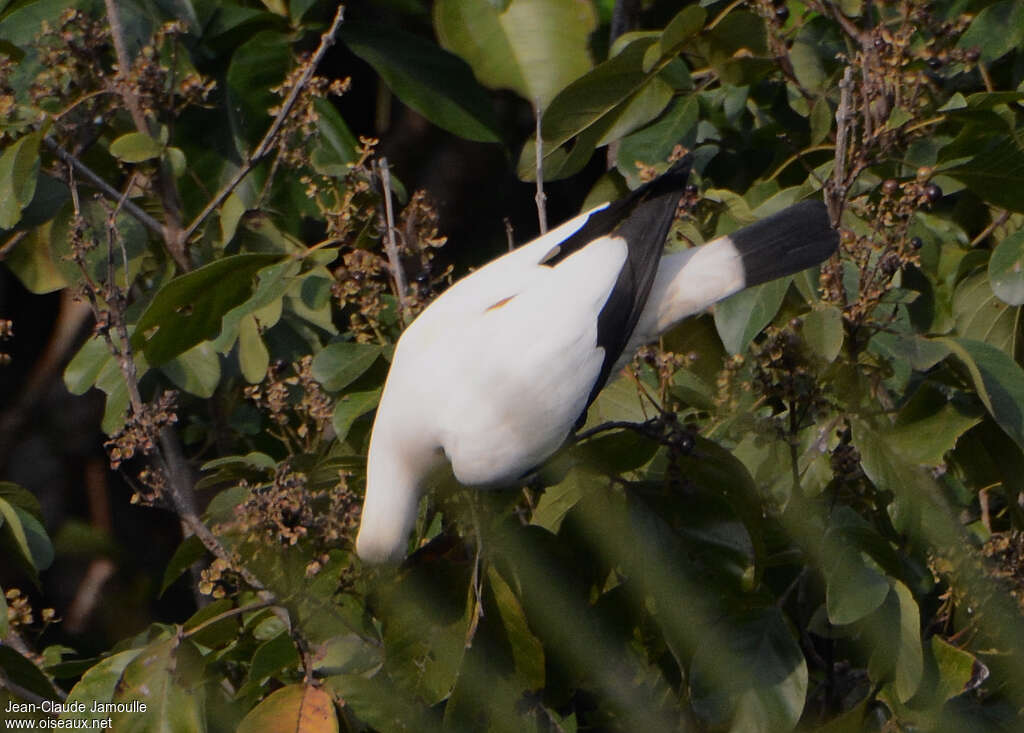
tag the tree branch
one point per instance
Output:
(326, 41)
(105, 188)
(390, 245)
(540, 198)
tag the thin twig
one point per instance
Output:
(996, 223)
(509, 234)
(326, 41)
(105, 188)
(390, 245)
(844, 117)
(540, 198)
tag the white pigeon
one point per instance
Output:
(495, 374)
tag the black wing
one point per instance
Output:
(643, 219)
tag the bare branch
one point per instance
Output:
(391, 246)
(540, 198)
(105, 188)
(264, 146)
(836, 192)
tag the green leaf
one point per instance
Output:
(32, 261)
(996, 30)
(188, 309)
(434, 82)
(742, 316)
(28, 535)
(896, 643)
(534, 47)
(981, 316)
(958, 669)
(257, 66)
(855, 586)
(341, 363)
(998, 379)
(253, 356)
(527, 650)
(351, 407)
(1006, 269)
(24, 673)
(654, 143)
(167, 677)
(823, 332)
(755, 676)
(996, 173)
(98, 684)
(136, 147)
(189, 552)
(19, 169)
(683, 26)
(609, 101)
(197, 371)
(272, 656)
(335, 143)
(929, 425)
(557, 500)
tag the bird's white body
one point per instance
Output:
(496, 372)
(498, 369)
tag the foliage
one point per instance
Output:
(806, 513)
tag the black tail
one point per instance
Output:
(792, 240)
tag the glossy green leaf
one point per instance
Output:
(32, 261)
(742, 316)
(823, 332)
(257, 66)
(197, 371)
(998, 379)
(25, 674)
(756, 677)
(99, 684)
(996, 30)
(189, 309)
(928, 426)
(655, 142)
(609, 101)
(527, 650)
(557, 500)
(351, 407)
(19, 169)
(995, 173)
(341, 363)
(136, 147)
(534, 47)
(272, 656)
(253, 356)
(855, 586)
(434, 82)
(166, 676)
(981, 316)
(189, 552)
(897, 655)
(1006, 269)
(28, 535)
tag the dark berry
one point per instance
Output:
(691, 189)
(973, 54)
(796, 323)
(935, 63)
(782, 13)
(890, 186)
(916, 242)
(932, 192)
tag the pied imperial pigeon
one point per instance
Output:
(494, 375)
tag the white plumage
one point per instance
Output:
(496, 372)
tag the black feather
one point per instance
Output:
(792, 240)
(643, 218)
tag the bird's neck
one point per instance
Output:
(396, 469)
